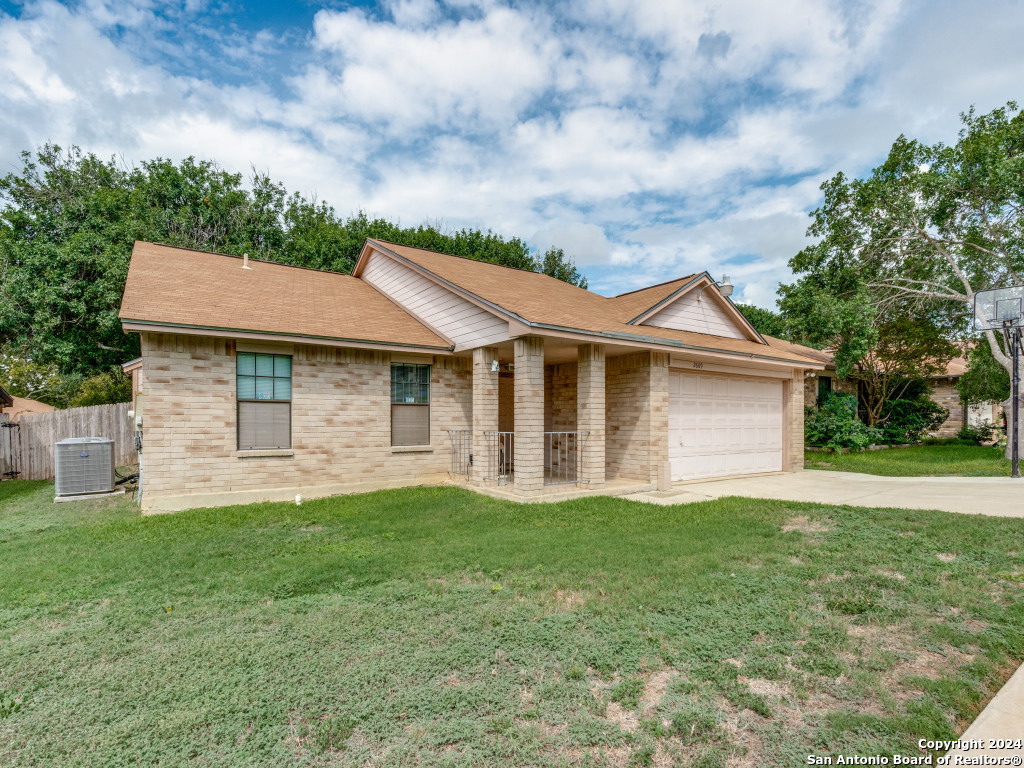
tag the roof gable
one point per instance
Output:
(551, 305)
(697, 305)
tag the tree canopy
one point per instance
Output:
(917, 238)
(70, 219)
(765, 321)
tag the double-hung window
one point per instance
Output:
(410, 404)
(264, 394)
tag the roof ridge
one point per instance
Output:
(657, 285)
(233, 256)
(484, 261)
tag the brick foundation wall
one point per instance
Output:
(341, 420)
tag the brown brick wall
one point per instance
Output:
(529, 415)
(341, 422)
(945, 393)
(560, 397)
(636, 423)
(590, 410)
(794, 412)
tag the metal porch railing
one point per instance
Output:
(461, 451)
(563, 457)
(500, 457)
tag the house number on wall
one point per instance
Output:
(698, 366)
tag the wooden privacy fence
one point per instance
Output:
(28, 448)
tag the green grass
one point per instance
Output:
(918, 461)
(435, 626)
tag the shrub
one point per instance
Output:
(905, 420)
(977, 435)
(835, 425)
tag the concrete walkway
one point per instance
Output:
(999, 496)
(1003, 718)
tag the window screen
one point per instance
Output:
(410, 404)
(264, 393)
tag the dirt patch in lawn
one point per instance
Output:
(772, 689)
(654, 690)
(804, 524)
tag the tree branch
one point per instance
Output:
(919, 292)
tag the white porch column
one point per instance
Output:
(529, 410)
(590, 412)
(485, 408)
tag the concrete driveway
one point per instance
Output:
(999, 496)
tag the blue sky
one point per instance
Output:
(649, 139)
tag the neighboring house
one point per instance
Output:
(13, 407)
(943, 386)
(946, 394)
(260, 381)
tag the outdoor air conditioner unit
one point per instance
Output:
(84, 465)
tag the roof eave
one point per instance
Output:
(674, 344)
(130, 324)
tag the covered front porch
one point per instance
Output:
(552, 417)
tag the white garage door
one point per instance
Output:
(723, 425)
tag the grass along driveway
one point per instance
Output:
(435, 626)
(918, 461)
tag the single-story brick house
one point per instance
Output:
(261, 381)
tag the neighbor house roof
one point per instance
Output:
(170, 286)
(24, 405)
(954, 368)
(546, 302)
(819, 355)
(18, 405)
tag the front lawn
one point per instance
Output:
(917, 461)
(437, 627)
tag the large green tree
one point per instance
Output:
(69, 220)
(925, 230)
(766, 321)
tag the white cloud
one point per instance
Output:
(606, 127)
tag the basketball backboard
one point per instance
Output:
(999, 308)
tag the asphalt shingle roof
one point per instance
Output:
(178, 286)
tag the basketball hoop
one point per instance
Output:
(999, 308)
(1002, 309)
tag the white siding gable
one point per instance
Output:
(704, 316)
(460, 320)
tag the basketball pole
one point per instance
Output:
(1014, 458)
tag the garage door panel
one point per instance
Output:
(723, 425)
